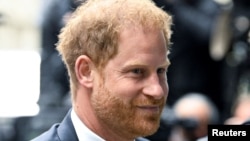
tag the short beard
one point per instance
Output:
(123, 118)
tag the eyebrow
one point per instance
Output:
(139, 64)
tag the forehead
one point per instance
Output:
(136, 44)
(138, 37)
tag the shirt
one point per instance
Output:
(82, 131)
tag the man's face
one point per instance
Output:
(130, 95)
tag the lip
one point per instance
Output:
(152, 109)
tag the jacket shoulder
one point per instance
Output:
(50, 135)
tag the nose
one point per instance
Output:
(155, 87)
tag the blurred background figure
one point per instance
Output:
(187, 119)
(194, 111)
(210, 52)
(233, 37)
(54, 85)
(192, 68)
(240, 110)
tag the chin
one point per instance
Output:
(149, 126)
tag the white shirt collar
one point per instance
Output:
(82, 131)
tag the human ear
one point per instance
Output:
(84, 71)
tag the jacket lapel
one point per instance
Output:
(66, 130)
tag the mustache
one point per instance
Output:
(150, 101)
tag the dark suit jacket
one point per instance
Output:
(64, 131)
